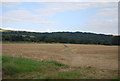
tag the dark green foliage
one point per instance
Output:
(61, 37)
(116, 40)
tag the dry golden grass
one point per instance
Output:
(99, 56)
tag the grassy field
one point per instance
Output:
(21, 68)
(63, 61)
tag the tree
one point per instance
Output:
(116, 40)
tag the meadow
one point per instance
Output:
(59, 61)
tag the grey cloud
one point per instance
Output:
(107, 13)
(103, 26)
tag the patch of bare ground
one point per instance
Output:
(104, 58)
(99, 56)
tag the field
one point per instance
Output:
(101, 60)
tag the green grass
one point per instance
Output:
(21, 68)
(12, 66)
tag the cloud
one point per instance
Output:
(107, 13)
(59, 0)
(103, 26)
(24, 16)
(10, 1)
(49, 10)
(53, 8)
(104, 21)
(8, 28)
(15, 29)
(105, 10)
(47, 24)
(10, 4)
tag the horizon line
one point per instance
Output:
(57, 31)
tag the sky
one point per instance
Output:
(95, 17)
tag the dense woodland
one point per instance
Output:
(61, 37)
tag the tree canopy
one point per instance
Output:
(61, 37)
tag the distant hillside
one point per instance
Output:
(2, 30)
(58, 37)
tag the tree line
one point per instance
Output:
(61, 37)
